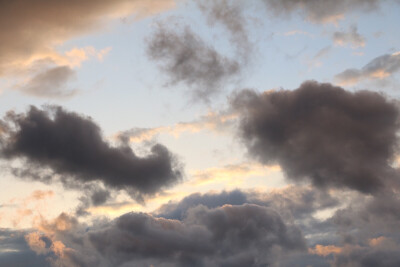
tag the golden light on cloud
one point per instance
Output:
(36, 243)
(374, 242)
(322, 250)
(379, 74)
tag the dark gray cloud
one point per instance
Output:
(72, 146)
(322, 133)
(187, 59)
(352, 38)
(321, 11)
(52, 82)
(246, 235)
(379, 68)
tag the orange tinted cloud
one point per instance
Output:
(322, 250)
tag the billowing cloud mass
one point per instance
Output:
(187, 59)
(379, 68)
(321, 11)
(322, 133)
(352, 38)
(241, 235)
(236, 228)
(246, 235)
(50, 83)
(71, 145)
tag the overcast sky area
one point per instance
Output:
(209, 133)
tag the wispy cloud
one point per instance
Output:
(377, 69)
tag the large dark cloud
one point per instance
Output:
(72, 146)
(321, 11)
(187, 59)
(246, 235)
(322, 133)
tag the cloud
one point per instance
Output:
(33, 32)
(225, 235)
(379, 68)
(236, 228)
(178, 210)
(15, 252)
(72, 146)
(246, 235)
(292, 202)
(30, 30)
(213, 121)
(325, 250)
(321, 12)
(322, 133)
(230, 15)
(298, 32)
(36, 243)
(187, 59)
(368, 256)
(352, 37)
(50, 83)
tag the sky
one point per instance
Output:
(199, 133)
